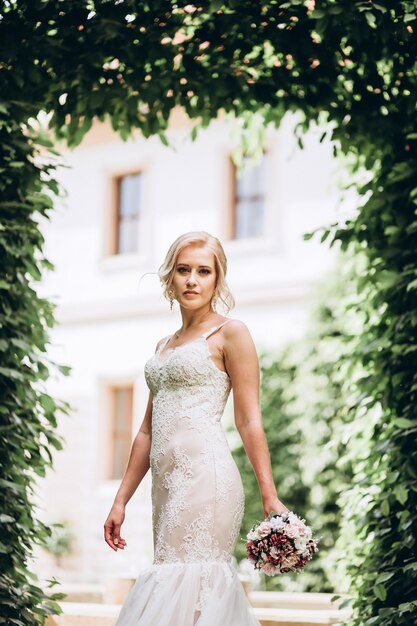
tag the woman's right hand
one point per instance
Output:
(112, 527)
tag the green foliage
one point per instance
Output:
(322, 394)
(60, 540)
(305, 396)
(381, 504)
(354, 60)
(350, 63)
(28, 413)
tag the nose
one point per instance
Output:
(191, 280)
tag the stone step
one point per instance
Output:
(299, 617)
(91, 614)
(116, 590)
(83, 592)
(294, 600)
(113, 591)
(85, 614)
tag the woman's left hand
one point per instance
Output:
(273, 504)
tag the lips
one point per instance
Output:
(194, 292)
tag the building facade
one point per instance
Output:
(126, 202)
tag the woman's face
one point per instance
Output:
(194, 272)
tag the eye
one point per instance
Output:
(205, 270)
(180, 269)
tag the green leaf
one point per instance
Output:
(371, 19)
(12, 373)
(163, 138)
(401, 493)
(385, 508)
(402, 422)
(410, 566)
(412, 285)
(380, 592)
(380, 7)
(382, 578)
(317, 15)
(405, 607)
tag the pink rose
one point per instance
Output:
(269, 569)
(263, 529)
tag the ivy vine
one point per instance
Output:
(350, 62)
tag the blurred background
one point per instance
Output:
(126, 202)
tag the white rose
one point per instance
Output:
(276, 523)
(252, 535)
(300, 544)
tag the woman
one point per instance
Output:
(197, 492)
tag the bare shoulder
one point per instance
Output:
(235, 326)
(236, 333)
(240, 356)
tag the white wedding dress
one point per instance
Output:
(197, 498)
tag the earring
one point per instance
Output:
(171, 299)
(213, 302)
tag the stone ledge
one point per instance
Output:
(294, 600)
(89, 614)
(85, 614)
(299, 617)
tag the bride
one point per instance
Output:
(197, 491)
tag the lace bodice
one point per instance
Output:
(185, 366)
(189, 449)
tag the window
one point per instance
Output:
(121, 419)
(126, 213)
(248, 200)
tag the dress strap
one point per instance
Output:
(164, 342)
(213, 329)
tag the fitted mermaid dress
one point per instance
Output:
(197, 498)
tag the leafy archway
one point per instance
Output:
(353, 62)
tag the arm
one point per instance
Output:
(138, 463)
(241, 361)
(137, 466)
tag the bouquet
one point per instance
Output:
(280, 543)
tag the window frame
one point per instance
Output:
(109, 260)
(115, 214)
(109, 389)
(233, 201)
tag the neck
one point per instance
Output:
(193, 319)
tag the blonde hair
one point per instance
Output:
(199, 238)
